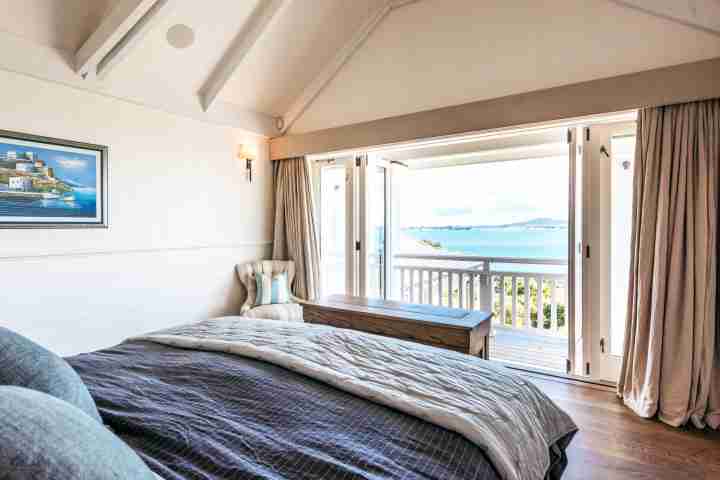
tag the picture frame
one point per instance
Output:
(50, 182)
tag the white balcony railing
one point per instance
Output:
(523, 293)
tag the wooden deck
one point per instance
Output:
(527, 349)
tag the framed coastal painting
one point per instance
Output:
(52, 183)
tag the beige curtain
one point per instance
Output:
(670, 364)
(295, 237)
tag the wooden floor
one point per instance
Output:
(527, 349)
(613, 443)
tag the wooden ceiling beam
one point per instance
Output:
(699, 14)
(333, 67)
(240, 47)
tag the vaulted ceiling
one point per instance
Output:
(322, 63)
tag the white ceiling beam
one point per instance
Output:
(699, 14)
(44, 63)
(112, 29)
(326, 75)
(132, 38)
(238, 50)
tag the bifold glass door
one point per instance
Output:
(353, 216)
(528, 225)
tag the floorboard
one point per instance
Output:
(613, 443)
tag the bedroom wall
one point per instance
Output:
(181, 215)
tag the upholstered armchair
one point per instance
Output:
(283, 311)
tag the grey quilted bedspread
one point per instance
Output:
(503, 414)
(212, 416)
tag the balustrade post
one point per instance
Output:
(440, 288)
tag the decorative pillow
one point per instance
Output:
(271, 290)
(42, 437)
(27, 364)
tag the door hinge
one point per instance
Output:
(587, 368)
(569, 136)
(357, 161)
(568, 366)
(602, 345)
(587, 134)
(357, 245)
(587, 251)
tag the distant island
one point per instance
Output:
(535, 223)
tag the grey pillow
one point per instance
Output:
(42, 437)
(24, 363)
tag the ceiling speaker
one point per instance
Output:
(180, 36)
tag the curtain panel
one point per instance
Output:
(670, 364)
(295, 236)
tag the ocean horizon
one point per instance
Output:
(517, 242)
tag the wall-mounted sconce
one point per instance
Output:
(244, 156)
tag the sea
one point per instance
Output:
(519, 242)
(516, 242)
(84, 206)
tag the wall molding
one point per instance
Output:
(139, 251)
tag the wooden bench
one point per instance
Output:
(465, 331)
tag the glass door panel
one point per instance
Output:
(333, 207)
(373, 219)
(611, 151)
(622, 155)
(577, 348)
(376, 227)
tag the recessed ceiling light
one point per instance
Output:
(180, 36)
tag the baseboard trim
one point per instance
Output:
(138, 251)
(559, 377)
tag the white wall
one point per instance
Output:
(181, 215)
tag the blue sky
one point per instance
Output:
(76, 167)
(484, 194)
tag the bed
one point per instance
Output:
(237, 398)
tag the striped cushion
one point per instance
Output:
(271, 290)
